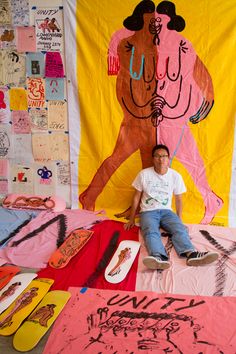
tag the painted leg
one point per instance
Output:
(186, 151)
(127, 143)
(146, 157)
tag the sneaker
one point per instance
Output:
(155, 263)
(201, 258)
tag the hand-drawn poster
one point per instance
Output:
(4, 170)
(7, 38)
(21, 179)
(6, 146)
(18, 99)
(143, 322)
(151, 74)
(35, 65)
(4, 166)
(3, 186)
(5, 12)
(12, 68)
(26, 39)
(63, 173)
(36, 92)
(45, 179)
(41, 147)
(5, 113)
(59, 144)
(50, 147)
(20, 12)
(23, 148)
(21, 122)
(55, 89)
(39, 119)
(49, 29)
(54, 65)
(57, 115)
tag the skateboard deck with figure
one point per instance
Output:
(122, 261)
(70, 247)
(14, 288)
(34, 202)
(40, 320)
(6, 274)
(14, 315)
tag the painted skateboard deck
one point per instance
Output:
(6, 274)
(14, 288)
(70, 247)
(122, 261)
(34, 202)
(41, 319)
(11, 319)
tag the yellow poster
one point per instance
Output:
(18, 99)
(156, 72)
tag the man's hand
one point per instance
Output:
(134, 207)
(129, 225)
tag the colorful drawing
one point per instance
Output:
(122, 261)
(42, 318)
(71, 246)
(12, 318)
(143, 322)
(162, 85)
(49, 29)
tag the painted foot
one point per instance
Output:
(124, 214)
(86, 202)
(212, 205)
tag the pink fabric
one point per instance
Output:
(216, 279)
(124, 322)
(87, 268)
(36, 251)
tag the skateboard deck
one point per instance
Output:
(41, 319)
(11, 319)
(70, 247)
(6, 274)
(34, 202)
(122, 261)
(14, 288)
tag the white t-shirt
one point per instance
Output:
(158, 189)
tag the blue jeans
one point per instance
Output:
(151, 221)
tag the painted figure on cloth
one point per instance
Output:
(161, 85)
(43, 314)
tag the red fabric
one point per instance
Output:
(82, 269)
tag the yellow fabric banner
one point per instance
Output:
(151, 73)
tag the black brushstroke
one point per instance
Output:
(61, 233)
(221, 275)
(14, 232)
(109, 251)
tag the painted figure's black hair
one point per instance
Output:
(177, 22)
(135, 22)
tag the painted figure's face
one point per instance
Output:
(161, 159)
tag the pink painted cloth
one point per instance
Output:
(108, 321)
(87, 268)
(216, 279)
(36, 251)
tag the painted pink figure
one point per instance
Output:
(176, 87)
(45, 25)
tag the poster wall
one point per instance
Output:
(33, 101)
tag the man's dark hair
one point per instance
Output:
(158, 147)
